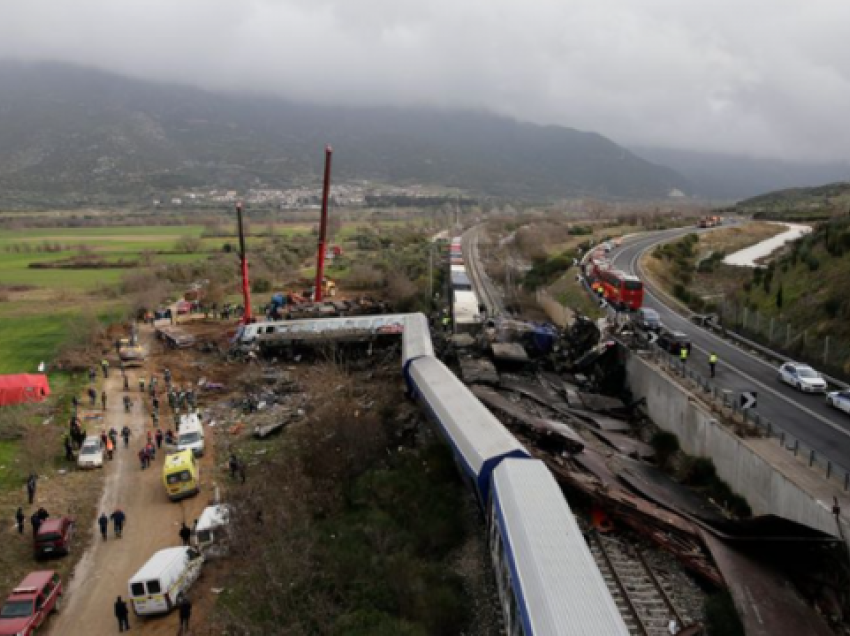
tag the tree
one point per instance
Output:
(779, 299)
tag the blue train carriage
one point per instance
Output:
(478, 440)
(548, 581)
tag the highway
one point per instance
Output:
(804, 416)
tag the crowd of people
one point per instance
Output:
(156, 394)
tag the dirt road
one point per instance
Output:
(152, 521)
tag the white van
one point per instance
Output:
(167, 574)
(211, 532)
(191, 434)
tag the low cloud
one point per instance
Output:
(763, 77)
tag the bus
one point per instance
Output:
(622, 291)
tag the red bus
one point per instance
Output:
(622, 291)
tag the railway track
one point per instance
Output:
(642, 596)
(484, 289)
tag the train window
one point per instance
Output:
(633, 285)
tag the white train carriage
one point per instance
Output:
(416, 340)
(548, 582)
(465, 310)
(461, 281)
(478, 440)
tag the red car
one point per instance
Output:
(54, 537)
(183, 307)
(29, 604)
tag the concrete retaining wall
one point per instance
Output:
(767, 490)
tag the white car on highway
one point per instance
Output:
(91, 453)
(802, 377)
(840, 400)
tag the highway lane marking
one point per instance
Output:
(741, 373)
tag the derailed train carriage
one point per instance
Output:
(547, 579)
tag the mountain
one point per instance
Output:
(76, 135)
(800, 204)
(733, 177)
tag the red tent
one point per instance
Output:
(23, 388)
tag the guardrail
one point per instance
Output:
(767, 352)
(685, 312)
(817, 460)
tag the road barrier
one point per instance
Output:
(751, 419)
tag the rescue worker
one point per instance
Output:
(185, 533)
(122, 614)
(712, 363)
(31, 484)
(118, 518)
(141, 384)
(683, 355)
(103, 522)
(104, 364)
(447, 323)
(185, 610)
(19, 517)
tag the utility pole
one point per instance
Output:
(247, 318)
(323, 227)
(431, 272)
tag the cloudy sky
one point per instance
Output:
(760, 77)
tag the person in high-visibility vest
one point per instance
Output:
(683, 354)
(712, 362)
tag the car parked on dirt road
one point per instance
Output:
(802, 377)
(28, 606)
(839, 400)
(54, 537)
(91, 453)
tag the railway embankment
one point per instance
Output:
(772, 478)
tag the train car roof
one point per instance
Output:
(560, 589)
(478, 439)
(416, 341)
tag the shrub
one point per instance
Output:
(832, 306)
(812, 263)
(666, 445)
(261, 285)
(188, 244)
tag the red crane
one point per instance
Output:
(323, 227)
(247, 318)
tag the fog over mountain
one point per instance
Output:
(732, 177)
(762, 78)
(76, 136)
